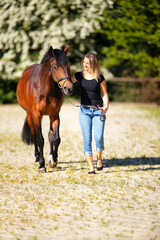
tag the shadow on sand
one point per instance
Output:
(131, 161)
(150, 162)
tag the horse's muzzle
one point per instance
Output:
(68, 90)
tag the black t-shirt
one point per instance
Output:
(90, 89)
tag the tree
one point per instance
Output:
(130, 36)
(29, 27)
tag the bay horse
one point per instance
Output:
(40, 91)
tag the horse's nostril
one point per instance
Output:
(71, 89)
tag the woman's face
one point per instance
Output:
(86, 64)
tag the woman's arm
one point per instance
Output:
(73, 78)
(105, 97)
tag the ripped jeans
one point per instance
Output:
(91, 117)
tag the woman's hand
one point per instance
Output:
(105, 109)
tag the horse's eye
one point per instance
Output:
(55, 68)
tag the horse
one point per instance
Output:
(40, 91)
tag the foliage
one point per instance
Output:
(130, 38)
(29, 27)
(134, 91)
(117, 92)
(7, 91)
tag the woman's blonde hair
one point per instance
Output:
(94, 64)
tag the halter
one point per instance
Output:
(58, 80)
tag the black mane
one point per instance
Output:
(59, 55)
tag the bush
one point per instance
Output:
(8, 91)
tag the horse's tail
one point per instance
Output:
(26, 133)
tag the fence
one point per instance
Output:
(134, 89)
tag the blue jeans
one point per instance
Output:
(91, 117)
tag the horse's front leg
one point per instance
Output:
(40, 143)
(54, 140)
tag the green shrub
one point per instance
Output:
(7, 91)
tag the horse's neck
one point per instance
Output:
(41, 76)
(45, 69)
(44, 73)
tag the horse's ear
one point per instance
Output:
(51, 51)
(66, 49)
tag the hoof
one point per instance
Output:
(42, 170)
(51, 163)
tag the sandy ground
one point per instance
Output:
(121, 202)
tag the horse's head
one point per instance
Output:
(60, 69)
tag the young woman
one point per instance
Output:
(93, 94)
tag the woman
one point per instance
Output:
(93, 94)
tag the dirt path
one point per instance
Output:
(121, 202)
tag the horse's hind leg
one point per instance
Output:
(29, 135)
(54, 140)
(34, 121)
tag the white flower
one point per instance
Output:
(43, 23)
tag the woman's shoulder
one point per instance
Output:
(101, 78)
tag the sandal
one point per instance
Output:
(100, 168)
(91, 172)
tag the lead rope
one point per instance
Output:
(102, 116)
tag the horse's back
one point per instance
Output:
(30, 69)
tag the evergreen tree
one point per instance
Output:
(130, 38)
